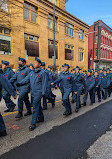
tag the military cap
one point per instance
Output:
(96, 71)
(92, 69)
(50, 67)
(62, 65)
(77, 67)
(66, 65)
(42, 63)
(84, 71)
(73, 69)
(80, 68)
(31, 64)
(38, 60)
(89, 71)
(21, 59)
(5, 62)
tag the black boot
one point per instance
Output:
(44, 108)
(28, 113)
(40, 121)
(19, 115)
(7, 110)
(3, 133)
(32, 127)
(84, 104)
(53, 103)
(76, 110)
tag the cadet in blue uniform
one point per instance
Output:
(73, 94)
(4, 83)
(101, 73)
(89, 85)
(22, 72)
(61, 83)
(97, 87)
(110, 87)
(66, 79)
(78, 84)
(105, 83)
(38, 84)
(8, 72)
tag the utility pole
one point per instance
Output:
(54, 26)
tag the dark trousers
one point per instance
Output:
(37, 109)
(104, 93)
(2, 125)
(98, 94)
(7, 98)
(66, 101)
(23, 98)
(91, 96)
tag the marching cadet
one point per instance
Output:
(105, 83)
(6, 96)
(110, 87)
(48, 95)
(31, 67)
(101, 73)
(22, 72)
(80, 71)
(84, 73)
(97, 87)
(89, 85)
(61, 83)
(66, 79)
(38, 84)
(78, 84)
(4, 83)
(73, 94)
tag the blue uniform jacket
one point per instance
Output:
(19, 76)
(4, 83)
(78, 82)
(97, 81)
(38, 82)
(89, 83)
(66, 78)
(105, 81)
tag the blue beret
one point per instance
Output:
(50, 67)
(31, 64)
(92, 69)
(105, 70)
(73, 69)
(89, 71)
(38, 60)
(42, 63)
(77, 67)
(5, 62)
(67, 65)
(62, 65)
(21, 59)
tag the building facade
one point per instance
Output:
(27, 31)
(100, 46)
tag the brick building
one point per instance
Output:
(26, 30)
(100, 46)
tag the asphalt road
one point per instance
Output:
(68, 141)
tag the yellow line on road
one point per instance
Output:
(17, 111)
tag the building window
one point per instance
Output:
(69, 29)
(81, 55)
(81, 34)
(50, 22)
(30, 12)
(69, 52)
(31, 45)
(51, 49)
(5, 41)
(53, 1)
(4, 5)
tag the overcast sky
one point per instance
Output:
(90, 11)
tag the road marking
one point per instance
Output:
(17, 111)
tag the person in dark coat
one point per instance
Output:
(8, 72)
